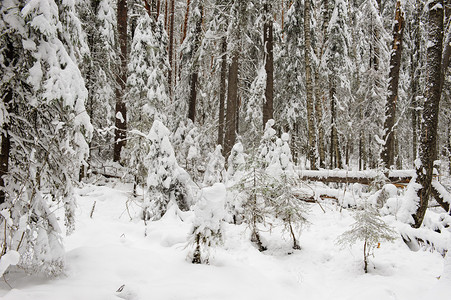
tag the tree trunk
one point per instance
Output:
(447, 43)
(319, 122)
(335, 154)
(309, 88)
(388, 151)
(428, 139)
(171, 17)
(333, 161)
(414, 81)
(185, 23)
(365, 257)
(232, 106)
(195, 74)
(361, 151)
(319, 95)
(5, 149)
(121, 78)
(268, 110)
(414, 75)
(166, 26)
(222, 92)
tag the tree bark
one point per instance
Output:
(5, 149)
(195, 71)
(166, 25)
(319, 95)
(333, 162)
(309, 88)
(185, 24)
(319, 122)
(121, 78)
(414, 75)
(232, 106)
(335, 154)
(388, 151)
(171, 17)
(268, 110)
(222, 92)
(428, 139)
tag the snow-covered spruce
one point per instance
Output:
(235, 171)
(43, 112)
(253, 192)
(215, 170)
(146, 90)
(98, 69)
(166, 180)
(285, 205)
(187, 145)
(207, 225)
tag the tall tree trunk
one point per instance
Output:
(335, 154)
(171, 17)
(333, 129)
(309, 88)
(319, 122)
(414, 75)
(195, 71)
(319, 95)
(121, 78)
(4, 155)
(268, 110)
(428, 140)
(388, 150)
(185, 23)
(232, 106)
(5, 142)
(361, 150)
(166, 22)
(222, 91)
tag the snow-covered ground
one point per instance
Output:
(112, 249)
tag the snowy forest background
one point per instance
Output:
(280, 105)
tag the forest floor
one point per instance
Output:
(115, 248)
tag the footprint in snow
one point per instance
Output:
(126, 293)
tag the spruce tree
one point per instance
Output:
(147, 91)
(370, 229)
(45, 126)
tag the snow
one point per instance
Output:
(10, 258)
(111, 250)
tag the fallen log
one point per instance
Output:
(441, 195)
(399, 178)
